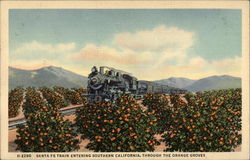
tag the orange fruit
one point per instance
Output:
(118, 130)
(112, 139)
(132, 134)
(132, 147)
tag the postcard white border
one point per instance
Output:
(243, 5)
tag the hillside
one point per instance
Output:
(47, 76)
(176, 82)
(215, 83)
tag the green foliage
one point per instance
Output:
(122, 126)
(81, 92)
(15, 100)
(45, 129)
(74, 97)
(158, 106)
(52, 97)
(205, 121)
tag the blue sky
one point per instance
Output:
(151, 44)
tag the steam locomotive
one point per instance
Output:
(109, 83)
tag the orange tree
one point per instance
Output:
(71, 96)
(45, 130)
(74, 97)
(157, 105)
(81, 92)
(119, 127)
(15, 100)
(205, 121)
(52, 97)
(62, 92)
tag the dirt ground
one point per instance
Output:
(83, 143)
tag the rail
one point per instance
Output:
(64, 111)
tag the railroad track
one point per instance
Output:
(14, 123)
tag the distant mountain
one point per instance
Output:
(214, 83)
(56, 76)
(176, 82)
(47, 76)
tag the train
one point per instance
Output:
(108, 84)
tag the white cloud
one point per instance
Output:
(152, 47)
(158, 53)
(35, 46)
(32, 64)
(196, 68)
(158, 39)
(101, 54)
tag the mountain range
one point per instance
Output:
(57, 76)
(204, 84)
(47, 76)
